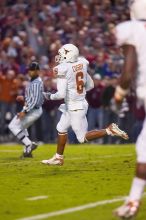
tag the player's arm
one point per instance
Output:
(89, 84)
(60, 75)
(128, 73)
(61, 88)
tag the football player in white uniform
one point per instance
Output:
(73, 81)
(131, 36)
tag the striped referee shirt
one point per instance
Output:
(34, 95)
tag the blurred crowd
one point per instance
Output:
(35, 30)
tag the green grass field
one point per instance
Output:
(90, 174)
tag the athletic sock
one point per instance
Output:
(137, 189)
(28, 149)
(59, 156)
(25, 140)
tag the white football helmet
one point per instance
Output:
(68, 53)
(137, 9)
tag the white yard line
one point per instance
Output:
(36, 198)
(73, 209)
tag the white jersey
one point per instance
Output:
(134, 33)
(73, 81)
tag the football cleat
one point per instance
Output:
(28, 150)
(128, 210)
(26, 155)
(34, 145)
(54, 161)
(114, 130)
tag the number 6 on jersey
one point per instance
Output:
(79, 82)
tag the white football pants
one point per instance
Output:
(77, 120)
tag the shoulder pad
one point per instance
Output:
(60, 71)
(83, 59)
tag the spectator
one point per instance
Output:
(8, 92)
(94, 116)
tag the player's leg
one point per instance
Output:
(112, 130)
(61, 142)
(79, 125)
(62, 128)
(131, 205)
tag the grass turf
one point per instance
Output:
(91, 173)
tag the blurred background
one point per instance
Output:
(35, 30)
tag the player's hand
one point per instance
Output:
(20, 98)
(21, 115)
(47, 95)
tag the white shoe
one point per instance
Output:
(54, 161)
(128, 210)
(114, 130)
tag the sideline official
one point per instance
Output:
(31, 111)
